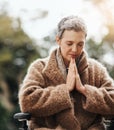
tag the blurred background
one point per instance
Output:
(27, 32)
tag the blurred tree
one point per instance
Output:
(49, 41)
(104, 50)
(17, 50)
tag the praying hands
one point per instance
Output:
(73, 78)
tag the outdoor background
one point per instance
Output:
(27, 32)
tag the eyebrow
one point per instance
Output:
(69, 41)
(78, 42)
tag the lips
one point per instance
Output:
(73, 56)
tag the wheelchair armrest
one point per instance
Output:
(109, 124)
(22, 116)
(112, 124)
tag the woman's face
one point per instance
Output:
(71, 44)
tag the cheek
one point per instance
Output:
(65, 51)
(81, 50)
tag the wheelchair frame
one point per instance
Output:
(24, 117)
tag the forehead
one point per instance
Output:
(73, 35)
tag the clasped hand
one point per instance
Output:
(73, 78)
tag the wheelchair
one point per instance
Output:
(24, 117)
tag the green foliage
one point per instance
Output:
(3, 118)
(100, 51)
(17, 51)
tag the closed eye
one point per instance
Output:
(69, 43)
(81, 44)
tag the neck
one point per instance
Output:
(66, 63)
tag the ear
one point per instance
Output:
(58, 40)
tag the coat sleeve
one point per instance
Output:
(38, 99)
(100, 99)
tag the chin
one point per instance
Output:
(68, 59)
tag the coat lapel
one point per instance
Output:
(83, 63)
(52, 71)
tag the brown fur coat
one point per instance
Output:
(45, 96)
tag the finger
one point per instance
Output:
(72, 63)
(77, 75)
(73, 60)
(76, 69)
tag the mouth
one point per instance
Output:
(73, 56)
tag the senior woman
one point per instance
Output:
(67, 90)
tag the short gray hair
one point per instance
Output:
(71, 23)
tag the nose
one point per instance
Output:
(74, 48)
